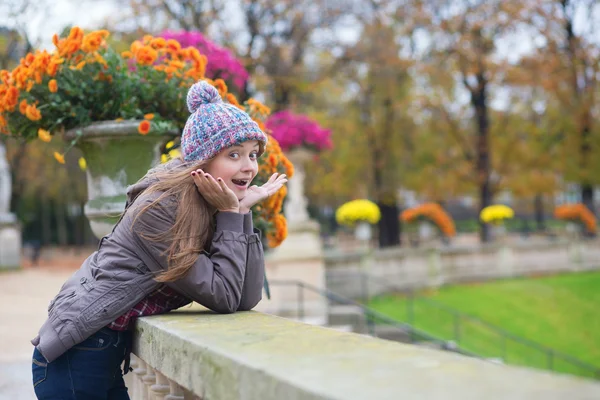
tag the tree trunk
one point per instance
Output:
(587, 197)
(538, 206)
(389, 225)
(478, 100)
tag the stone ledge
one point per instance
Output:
(254, 356)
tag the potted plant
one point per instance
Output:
(430, 213)
(360, 215)
(577, 214)
(496, 215)
(118, 108)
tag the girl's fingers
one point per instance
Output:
(272, 178)
(222, 185)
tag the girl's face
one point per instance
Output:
(236, 165)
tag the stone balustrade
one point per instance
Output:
(194, 354)
(406, 268)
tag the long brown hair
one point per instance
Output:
(193, 223)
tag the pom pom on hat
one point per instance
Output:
(215, 125)
(202, 93)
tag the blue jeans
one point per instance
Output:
(91, 370)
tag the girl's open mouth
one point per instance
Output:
(240, 183)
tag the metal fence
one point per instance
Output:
(474, 335)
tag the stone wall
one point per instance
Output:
(432, 267)
(252, 356)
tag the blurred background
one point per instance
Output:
(462, 103)
(465, 104)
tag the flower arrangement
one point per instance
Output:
(577, 212)
(294, 130)
(84, 81)
(223, 64)
(432, 212)
(496, 214)
(356, 211)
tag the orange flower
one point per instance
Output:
(59, 157)
(100, 60)
(146, 55)
(23, 106)
(52, 86)
(279, 233)
(433, 212)
(144, 127)
(258, 107)
(93, 41)
(221, 86)
(127, 54)
(231, 99)
(158, 43)
(173, 45)
(579, 212)
(11, 98)
(33, 113)
(44, 135)
(149, 116)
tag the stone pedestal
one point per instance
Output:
(299, 258)
(10, 244)
(10, 231)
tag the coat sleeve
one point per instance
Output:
(216, 280)
(255, 267)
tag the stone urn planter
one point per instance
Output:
(117, 155)
(363, 231)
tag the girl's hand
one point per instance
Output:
(216, 192)
(256, 194)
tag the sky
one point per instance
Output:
(45, 23)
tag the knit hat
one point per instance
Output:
(215, 125)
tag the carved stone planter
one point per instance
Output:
(117, 156)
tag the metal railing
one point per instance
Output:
(372, 318)
(477, 336)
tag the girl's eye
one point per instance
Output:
(234, 155)
(254, 155)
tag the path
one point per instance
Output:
(24, 298)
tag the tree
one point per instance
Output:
(371, 127)
(464, 38)
(569, 64)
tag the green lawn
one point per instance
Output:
(561, 312)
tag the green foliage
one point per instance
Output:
(558, 312)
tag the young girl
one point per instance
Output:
(186, 235)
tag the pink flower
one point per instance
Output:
(293, 130)
(221, 61)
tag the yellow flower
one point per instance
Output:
(44, 135)
(174, 154)
(149, 116)
(59, 157)
(496, 213)
(82, 164)
(163, 158)
(357, 211)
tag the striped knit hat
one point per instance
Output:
(215, 125)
